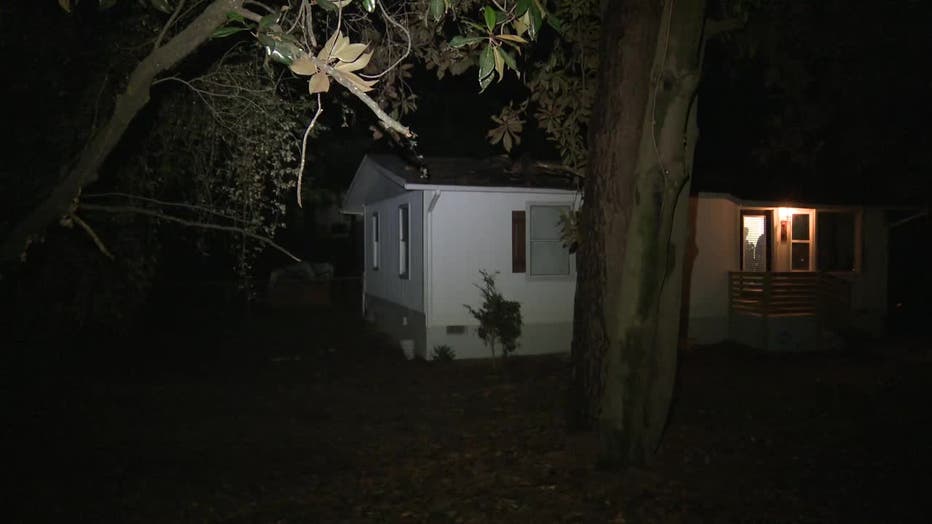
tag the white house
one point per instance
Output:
(784, 275)
(427, 239)
(775, 275)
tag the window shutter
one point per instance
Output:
(518, 228)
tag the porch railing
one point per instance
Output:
(790, 294)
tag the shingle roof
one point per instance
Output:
(497, 171)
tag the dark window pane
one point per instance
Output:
(800, 255)
(801, 227)
(835, 241)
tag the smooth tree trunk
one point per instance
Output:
(634, 218)
(63, 198)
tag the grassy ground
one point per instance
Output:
(306, 416)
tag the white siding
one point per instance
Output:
(385, 282)
(716, 244)
(470, 231)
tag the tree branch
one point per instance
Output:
(91, 233)
(128, 104)
(189, 223)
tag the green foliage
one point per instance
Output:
(442, 353)
(499, 319)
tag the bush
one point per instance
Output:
(442, 353)
(499, 319)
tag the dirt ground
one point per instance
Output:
(306, 416)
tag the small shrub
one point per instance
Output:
(442, 353)
(499, 319)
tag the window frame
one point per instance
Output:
(571, 266)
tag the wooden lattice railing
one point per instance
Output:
(790, 294)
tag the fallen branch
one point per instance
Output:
(189, 223)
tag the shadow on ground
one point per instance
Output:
(307, 416)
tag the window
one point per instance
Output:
(835, 241)
(518, 240)
(755, 240)
(375, 240)
(549, 257)
(403, 242)
(801, 243)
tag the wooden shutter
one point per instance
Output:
(518, 228)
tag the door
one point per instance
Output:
(801, 234)
(755, 240)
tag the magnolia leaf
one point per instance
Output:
(350, 52)
(162, 5)
(304, 66)
(522, 7)
(226, 31)
(363, 85)
(521, 24)
(280, 48)
(506, 141)
(437, 9)
(460, 41)
(333, 46)
(233, 16)
(511, 38)
(319, 83)
(327, 5)
(536, 21)
(356, 65)
(499, 63)
(509, 60)
(368, 5)
(490, 18)
(486, 64)
(66, 5)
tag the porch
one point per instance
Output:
(787, 310)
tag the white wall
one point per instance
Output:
(716, 243)
(385, 282)
(469, 231)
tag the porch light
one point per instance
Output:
(785, 212)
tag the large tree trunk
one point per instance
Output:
(634, 217)
(63, 196)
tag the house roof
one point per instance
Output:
(381, 176)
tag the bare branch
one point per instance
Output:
(190, 223)
(183, 205)
(91, 233)
(320, 109)
(169, 23)
(404, 30)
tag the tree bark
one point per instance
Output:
(64, 195)
(635, 216)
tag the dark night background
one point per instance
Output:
(177, 414)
